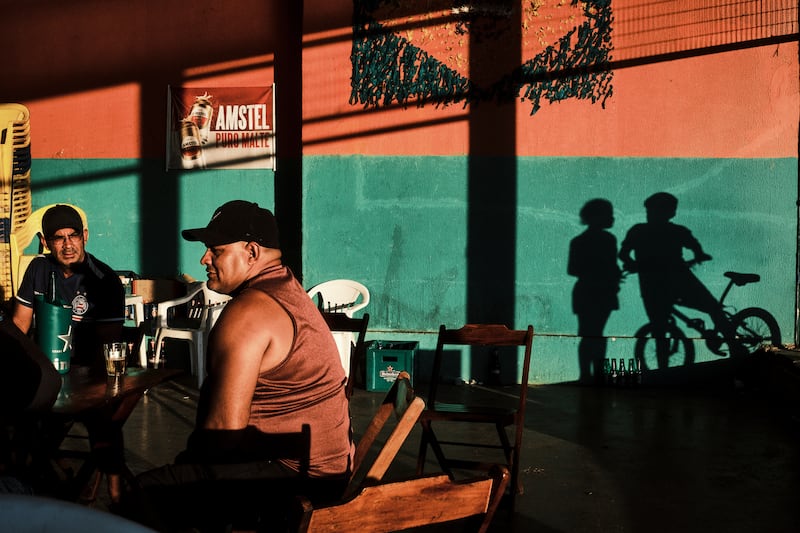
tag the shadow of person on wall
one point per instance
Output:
(593, 260)
(654, 250)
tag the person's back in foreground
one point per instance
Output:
(273, 368)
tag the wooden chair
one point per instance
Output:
(340, 322)
(496, 337)
(367, 468)
(401, 401)
(407, 504)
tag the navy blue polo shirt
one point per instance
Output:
(94, 290)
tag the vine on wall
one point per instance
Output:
(418, 52)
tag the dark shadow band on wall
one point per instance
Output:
(289, 145)
(492, 196)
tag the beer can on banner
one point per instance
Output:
(201, 115)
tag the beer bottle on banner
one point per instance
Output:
(191, 146)
(607, 371)
(201, 114)
(622, 377)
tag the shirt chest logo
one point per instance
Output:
(80, 305)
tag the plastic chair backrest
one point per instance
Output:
(199, 299)
(21, 238)
(349, 334)
(340, 296)
(14, 134)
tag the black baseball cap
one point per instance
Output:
(58, 217)
(237, 220)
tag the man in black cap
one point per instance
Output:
(273, 368)
(97, 298)
(92, 288)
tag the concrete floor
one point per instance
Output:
(650, 459)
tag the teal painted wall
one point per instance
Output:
(398, 224)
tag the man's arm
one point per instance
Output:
(691, 243)
(254, 334)
(23, 312)
(23, 317)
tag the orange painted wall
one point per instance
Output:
(92, 87)
(94, 73)
(733, 104)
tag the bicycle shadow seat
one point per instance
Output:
(740, 279)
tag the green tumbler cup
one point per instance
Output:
(54, 332)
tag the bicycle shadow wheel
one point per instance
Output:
(756, 328)
(673, 350)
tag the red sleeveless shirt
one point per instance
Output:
(308, 386)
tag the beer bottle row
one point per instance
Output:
(151, 354)
(618, 375)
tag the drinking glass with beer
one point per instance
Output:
(116, 358)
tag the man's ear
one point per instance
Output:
(85, 235)
(42, 242)
(253, 251)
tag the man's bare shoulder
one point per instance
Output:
(249, 309)
(254, 320)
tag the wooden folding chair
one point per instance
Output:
(340, 322)
(407, 504)
(369, 468)
(495, 337)
(401, 401)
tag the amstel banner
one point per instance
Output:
(220, 127)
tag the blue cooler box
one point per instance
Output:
(386, 359)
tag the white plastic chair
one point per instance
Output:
(341, 296)
(207, 306)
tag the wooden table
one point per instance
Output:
(106, 403)
(84, 392)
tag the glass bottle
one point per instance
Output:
(162, 358)
(631, 372)
(638, 371)
(151, 352)
(51, 296)
(494, 368)
(614, 375)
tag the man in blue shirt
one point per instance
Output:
(91, 287)
(97, 299)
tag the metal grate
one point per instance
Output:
(642, 28)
